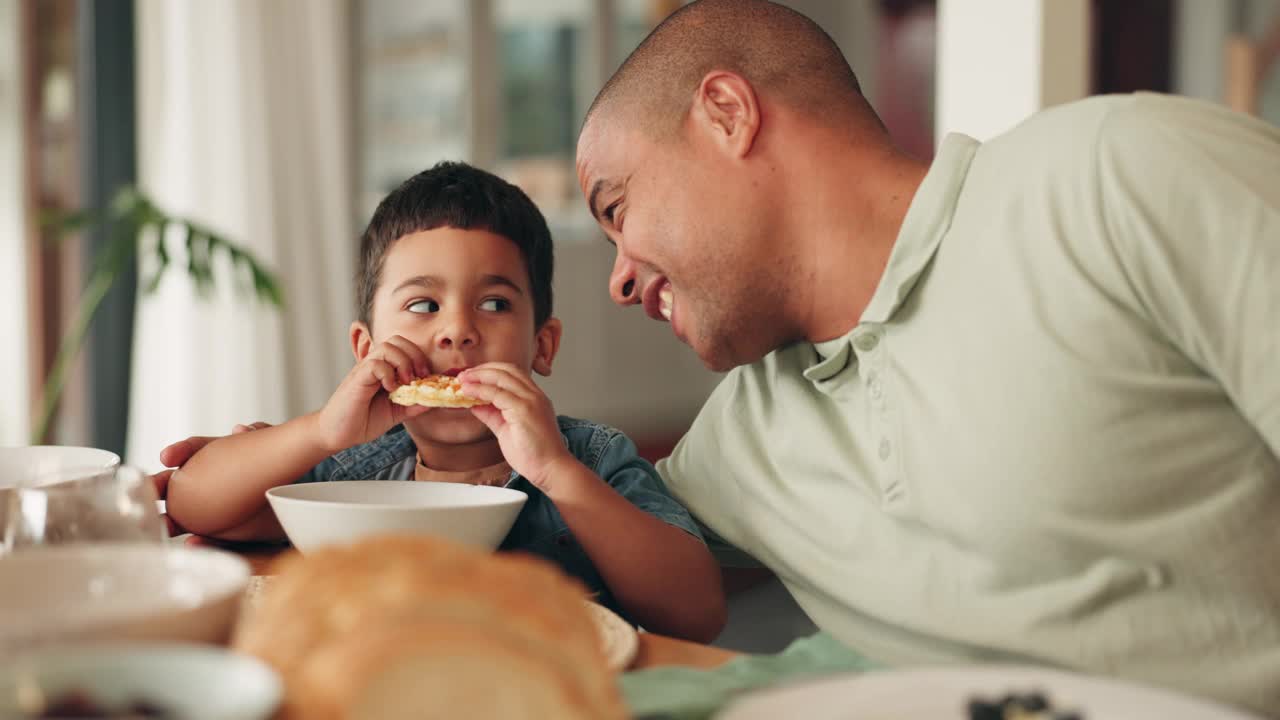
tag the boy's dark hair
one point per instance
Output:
(457, 195)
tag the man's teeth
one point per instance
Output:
(666, 299)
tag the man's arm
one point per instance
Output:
(1191, 196)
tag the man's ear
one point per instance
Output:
(546, 345)
(361, 340)
(725, 106)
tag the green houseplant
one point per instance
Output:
(135, 225)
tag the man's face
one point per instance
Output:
(462, 296)
(695, 238)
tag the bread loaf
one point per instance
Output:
(420, 627)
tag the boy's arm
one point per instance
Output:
(664, 576)
(223, 487)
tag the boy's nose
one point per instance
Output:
(622, 282)
(460, 332)
(450, 340)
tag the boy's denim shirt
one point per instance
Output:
(538, 528)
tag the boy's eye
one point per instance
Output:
(424, 306)
(496, 305)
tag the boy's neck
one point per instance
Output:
(458, 458)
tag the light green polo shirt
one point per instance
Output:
(1053, 435)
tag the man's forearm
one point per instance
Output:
(223, 485)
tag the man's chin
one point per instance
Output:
(716, 359)
(721, 356)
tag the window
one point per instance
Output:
(413, 83)
(502, 84)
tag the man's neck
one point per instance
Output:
(849, 223)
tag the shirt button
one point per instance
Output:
(876, 390)
(866, 342)
(885, 448)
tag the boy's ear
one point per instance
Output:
(361, 340)
(546, 344)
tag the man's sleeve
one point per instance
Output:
(1191, 196)
(694, 474)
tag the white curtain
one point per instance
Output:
(246, 125)
(15, 409)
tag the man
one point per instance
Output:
(1022, 403)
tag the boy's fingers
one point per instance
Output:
(489, 415)
(400, 360)
(421, 365)
(507, 379)
(249, 428)
(385, 373)
(161, 481)
(499, 398)
(501, 367)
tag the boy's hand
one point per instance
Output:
(361, 408)
(521, 416)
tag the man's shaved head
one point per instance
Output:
(776, 49)
(704, 160)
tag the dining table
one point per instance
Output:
(653, 650)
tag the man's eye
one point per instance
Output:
(424, 306)
(496, 305)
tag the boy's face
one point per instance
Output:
(463, 296)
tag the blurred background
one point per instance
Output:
(279, 124)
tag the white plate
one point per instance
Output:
(944, 694)
(189, 681)
(617, 637)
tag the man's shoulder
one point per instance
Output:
(1133, 116)
(1068, 130)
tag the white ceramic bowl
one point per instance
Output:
(120, 592)
(42, 464)
(37, 465)
(315, 514)
(186, 681)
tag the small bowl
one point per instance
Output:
(37, 465)
(118, 592)
(316, 514)
(42, 464)
(185, 681)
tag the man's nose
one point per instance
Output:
(622, 282)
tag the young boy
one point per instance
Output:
(455, 278)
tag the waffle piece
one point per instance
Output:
(434, 391)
